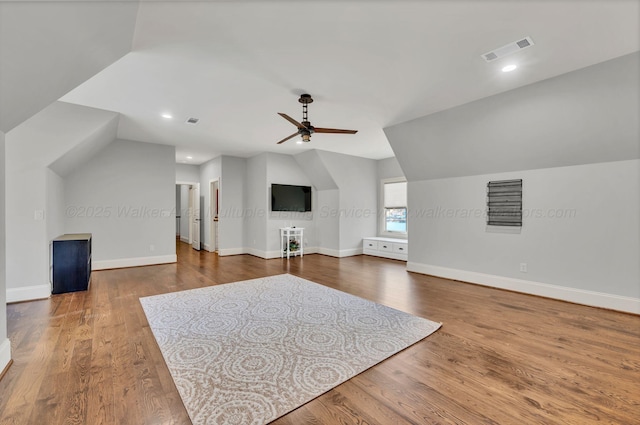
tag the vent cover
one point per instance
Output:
(193, 120)
(504, 203)
(507, 49)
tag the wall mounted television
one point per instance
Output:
(285, 197)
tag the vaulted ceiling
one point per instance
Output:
(234, 65)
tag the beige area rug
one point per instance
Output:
(249, 352)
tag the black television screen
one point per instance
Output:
(285, 197)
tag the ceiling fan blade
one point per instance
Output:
(287, 138)
(334, 130)
(291, 120)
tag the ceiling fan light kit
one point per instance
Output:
(305, 129)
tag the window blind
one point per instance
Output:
(395, 194)
(504, 203)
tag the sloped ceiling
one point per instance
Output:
(368, 64)
(49, 48)
(235, 64)
(587, 116)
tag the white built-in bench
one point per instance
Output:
(398, 249)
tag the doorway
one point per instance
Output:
(214, 207)
(188, 208)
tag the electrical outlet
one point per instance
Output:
(523, 267)
(38, 215)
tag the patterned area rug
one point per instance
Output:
(249, 352)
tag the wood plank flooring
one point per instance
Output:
(500, 357)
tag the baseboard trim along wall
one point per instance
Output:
(5, 355)
(578, 296)
(133, 262)
(340, 253)
(231, 251)
(269, 255)
(28, 293)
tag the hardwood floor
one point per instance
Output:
(500, 357)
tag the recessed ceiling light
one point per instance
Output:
(167, 116)
(189, 157)
(299, 142)
(509, 68)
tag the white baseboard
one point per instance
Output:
(133, 262)
(340, 253)
(28, 293)
(206, 247)
(578, 296)
(257, 253)
(231, 251)
(5, 354)
(268, 255)
(183, 239)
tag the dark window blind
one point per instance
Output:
(504, 203)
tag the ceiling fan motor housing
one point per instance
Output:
(305, 99)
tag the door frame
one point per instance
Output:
(196, 216)
(214, 211)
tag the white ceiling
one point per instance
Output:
(368, 65)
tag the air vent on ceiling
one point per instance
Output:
(507, 49)
(193, 120)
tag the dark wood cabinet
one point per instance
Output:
(70, 263)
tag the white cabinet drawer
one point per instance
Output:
(400, 248)
(385, 246)
(370, 244)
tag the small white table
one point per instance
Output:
(291, 241)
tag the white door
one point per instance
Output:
(194, 196)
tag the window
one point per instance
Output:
(395, 207)
(504, 203)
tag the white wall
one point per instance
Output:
(30, 149)
(256, 206)
(231, 214)
(357, 180)
(5, 344)
(389, 168)
(187, 173)
(125, 197)
(327, 219)
(54, 207)
(580, 231)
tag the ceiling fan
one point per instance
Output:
(305, 129)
